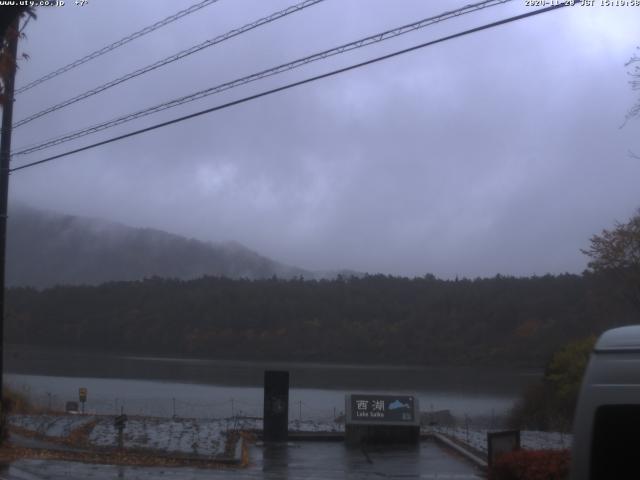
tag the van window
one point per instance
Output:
(615, 446)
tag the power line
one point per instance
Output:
(363, 42)
(114, 45)
(298, 83)
(173, 58)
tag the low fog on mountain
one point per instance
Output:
(47, 248)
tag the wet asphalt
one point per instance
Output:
(297, 460)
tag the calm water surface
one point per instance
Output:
(214, 388)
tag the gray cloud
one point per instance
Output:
(499, 152)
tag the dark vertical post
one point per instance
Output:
(5, 157)
(499, 443)
(276, 406)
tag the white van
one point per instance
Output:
(606, 428)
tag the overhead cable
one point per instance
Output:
(363, 42)
(295, 84)
(117, 44)
(173, 58)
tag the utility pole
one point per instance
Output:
(5, 157)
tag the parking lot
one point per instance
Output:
(310, 460)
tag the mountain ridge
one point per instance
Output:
(47, 248)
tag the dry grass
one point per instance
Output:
(16, 402)
(78, 438)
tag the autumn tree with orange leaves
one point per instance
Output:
(615, 256)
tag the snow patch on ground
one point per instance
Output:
(294, 425)
(201, 437)
(180, 435)
(530, 440)
(208, 436)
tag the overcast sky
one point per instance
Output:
(499, 152)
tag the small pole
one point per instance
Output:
(232, 410)
(466, 421)
(334, 413)
(174, 407)
(121, 431)
(119, 424)
(300, 409)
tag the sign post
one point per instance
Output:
(382, 418)
(120, 422)
(82, 395)
(276, 406)
(501, 442)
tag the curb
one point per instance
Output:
(307, 436)
(478, 461)
(317, 436)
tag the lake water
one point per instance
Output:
(215, 388)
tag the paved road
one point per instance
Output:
(300, 460)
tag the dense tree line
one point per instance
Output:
(373, 319)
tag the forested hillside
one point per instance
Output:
(373, 319)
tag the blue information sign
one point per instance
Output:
(385, 408)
